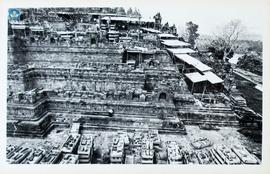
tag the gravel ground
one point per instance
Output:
(54, 139)
(226, 135)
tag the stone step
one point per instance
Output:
(140, 116)
(89, 127)
(206, 110)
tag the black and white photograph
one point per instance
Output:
(159, 83)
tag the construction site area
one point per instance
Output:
(100, 86)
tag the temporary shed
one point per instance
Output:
(150, 30)
(174, 43)
(181, 50)
(164, 36)
(196, 82)
(195, 77)
(212, 78)
(193, 62)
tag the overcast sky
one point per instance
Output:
(208, 14)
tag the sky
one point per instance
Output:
(208, 14)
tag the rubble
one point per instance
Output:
(244, 155)
(100, 70)
(85, 148)
(117, 152)
(70, 159)
(71, 143)
(201, 143)
(227, 155)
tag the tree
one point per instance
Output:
(250, 62)
(192, 34)
(226, 41)
(158, 20)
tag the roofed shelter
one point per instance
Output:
(165, 36)
(181, 50)
(215, 83)
(174, 44)
(196, 82)
(150, 30)
(139, 54)
(188, 63)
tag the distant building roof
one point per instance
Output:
(165, 35)
(195, 77)
(212, 78)
(174, 43)
(121, 18)
(194, 62)
(235, 58)
(151, 30)
(181, 50)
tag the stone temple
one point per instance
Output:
(106, 71)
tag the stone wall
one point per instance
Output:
(65, 54)
(78, 79)
(26, 111)
(37, 128)
(81, 80)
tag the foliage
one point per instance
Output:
(219, 53)
(246, 46)
(219, 66)
(192, 34)
(251, 63)
(226, 40)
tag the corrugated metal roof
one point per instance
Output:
(150, 30)
(195, 77)
(181, 50)
(166, 35)
(174, 43)
(120, 18)
(212, 78)
(194, 62)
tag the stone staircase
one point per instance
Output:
(224, 116)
